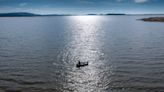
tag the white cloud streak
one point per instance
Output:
(140, 1)
(136, 1)
(22, 4)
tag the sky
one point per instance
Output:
(83, 6)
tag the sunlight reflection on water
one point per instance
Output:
(85, 45)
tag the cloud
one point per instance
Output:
(86, 1)
(140, 1)
(22, 4)
(119, 0)
(136, 1)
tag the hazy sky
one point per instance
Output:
(82, 6)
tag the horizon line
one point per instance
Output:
(87, 13)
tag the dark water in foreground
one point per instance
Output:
(38, 54)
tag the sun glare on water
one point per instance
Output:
(85, 45)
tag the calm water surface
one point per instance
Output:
(39, 54)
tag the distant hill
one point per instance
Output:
(17, 14)
(108, 14)
(115, 14)
(26, 14)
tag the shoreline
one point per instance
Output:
(153, 19)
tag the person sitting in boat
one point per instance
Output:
(79, 62)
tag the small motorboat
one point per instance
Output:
(81, 64)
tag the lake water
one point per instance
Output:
(39, 54)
